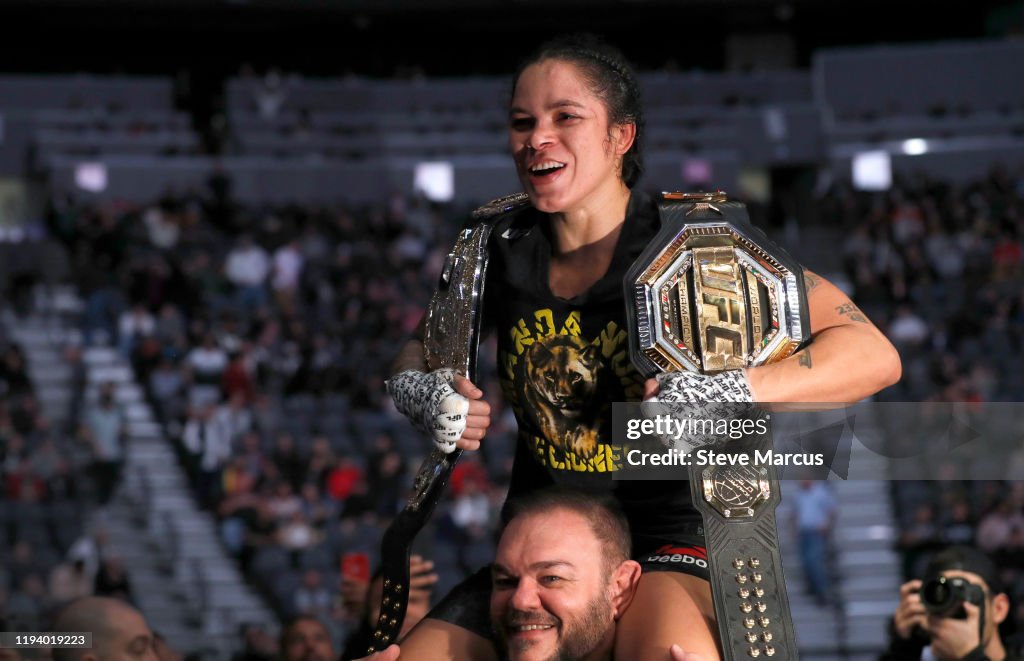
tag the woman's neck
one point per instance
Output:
(591, 223)
(584, 244)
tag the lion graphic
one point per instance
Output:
(561, 390)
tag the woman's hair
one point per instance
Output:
(610, 77)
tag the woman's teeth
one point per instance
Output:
(547, 167)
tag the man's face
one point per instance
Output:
(953, 638)
(970, 577)
(308, 640)
(551, 597)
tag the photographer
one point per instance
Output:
(956, 609)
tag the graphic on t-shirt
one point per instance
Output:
(562, 386)
(561, 390)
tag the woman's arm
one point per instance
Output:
(411, 356)
(478, 418)
(847, 360)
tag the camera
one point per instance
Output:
(944, 596)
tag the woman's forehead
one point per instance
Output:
(556, 79)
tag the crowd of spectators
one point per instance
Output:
(263, 335)
(262, 338)
(51, 479)
(943, 267)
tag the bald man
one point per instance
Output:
(119, 631)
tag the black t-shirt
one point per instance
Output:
(562, 362)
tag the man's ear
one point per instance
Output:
(1000, 607)
(623, 135)
(623, 584)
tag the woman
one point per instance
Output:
(554, 295)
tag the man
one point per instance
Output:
(561, 579)
(305, 638)
(814, 511)
(972, 635)
(119, 632)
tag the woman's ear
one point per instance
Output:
(623, 136)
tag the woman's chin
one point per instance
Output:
(544, 201)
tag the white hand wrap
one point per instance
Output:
(688, 395)
(430, 402)
(730, 386)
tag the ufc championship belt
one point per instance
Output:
(712, 293)
(451, 337)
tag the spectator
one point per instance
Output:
(69, 580)
(112, 579)
(206, 365)
(366, 600)
(287, 271)
(312, 597)
(815, 511)
(118, 630)
(235, 419)
(104, 431)
(920, 538)
(995, 528)
(306, 638)
(134, 325)
(287, 460)
(907, 329)
(952, 637)
(247, 267)
(258, 645)
(209, 445)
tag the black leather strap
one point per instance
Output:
(451, 339)
(397, 544)
(747, 583)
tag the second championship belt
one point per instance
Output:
(712, 293)
(451, 337)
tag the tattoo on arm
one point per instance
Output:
(852, 311)
(805, 358)
(811, 280)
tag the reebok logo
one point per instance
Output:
(685, 555)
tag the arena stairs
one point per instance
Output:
(190, 590)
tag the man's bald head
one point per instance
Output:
(119, 632)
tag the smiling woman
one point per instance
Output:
(554, 296)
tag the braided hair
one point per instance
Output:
(610, 77)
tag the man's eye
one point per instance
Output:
(503, 583)
(551, 580)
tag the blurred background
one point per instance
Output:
(220, 218)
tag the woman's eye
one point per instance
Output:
(520, 123)
(566, 116)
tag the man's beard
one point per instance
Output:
(577, 637)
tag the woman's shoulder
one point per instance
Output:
(508, 205)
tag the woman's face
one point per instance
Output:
(564, 149)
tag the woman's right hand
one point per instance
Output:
(479, 415)
(443, 404)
